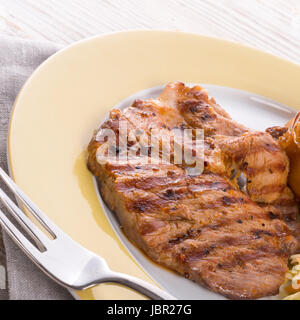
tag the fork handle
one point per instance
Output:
(140, 286)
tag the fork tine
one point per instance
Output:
(18, 237)
(37, 235)
(36, 212)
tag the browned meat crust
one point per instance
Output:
(229, 236)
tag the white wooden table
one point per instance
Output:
(270, 25)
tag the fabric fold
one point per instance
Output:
(18, 59)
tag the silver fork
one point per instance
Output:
(60, 257)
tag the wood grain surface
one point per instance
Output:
(269, 25)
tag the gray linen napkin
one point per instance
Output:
(18, 59)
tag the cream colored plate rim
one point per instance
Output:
(73, 47)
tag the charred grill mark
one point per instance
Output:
(241, 153)
(189, 234)
(149, 183)
(272, 148)
(241, 258)
(173, 180)
(272, 215)
(209, 186)
(171, 195)
(268, 189)
(228, 201)
(141, 206)
(226, 221)
(259, 233)
(279, 167)
(124, 169)
(281, 203)
(287, 213)
(157, 201)
(206, 116)
(255, 248)
(192, 105)
(262, 249)
(189, 257)
(226, 240)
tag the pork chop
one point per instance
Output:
(213, 229)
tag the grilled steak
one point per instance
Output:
(225, 228)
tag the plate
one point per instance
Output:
(70, 94)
